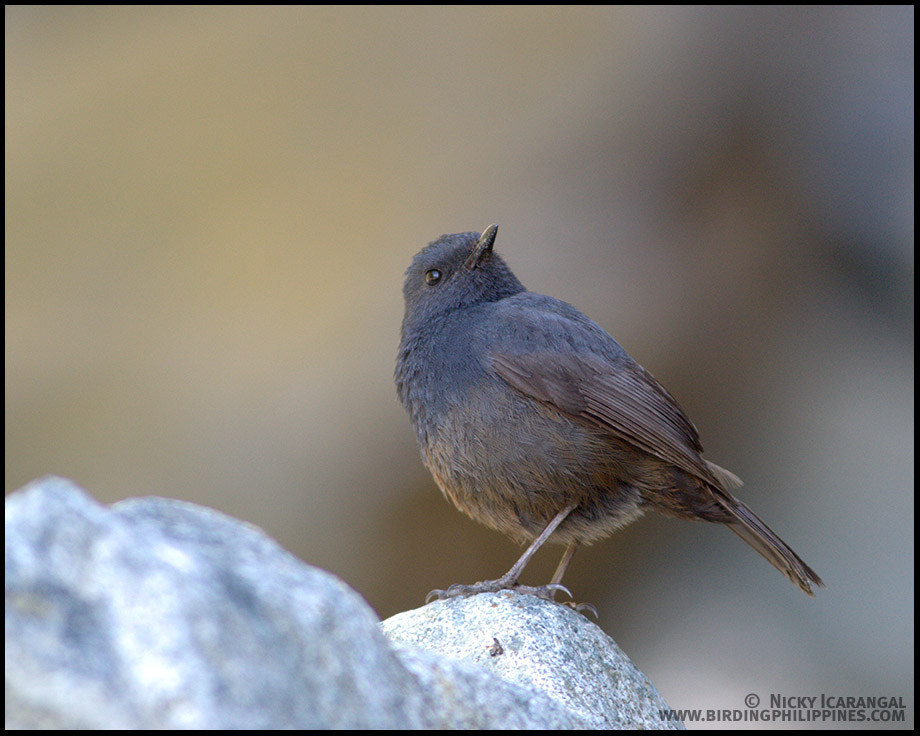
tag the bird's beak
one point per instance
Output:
(483, 247)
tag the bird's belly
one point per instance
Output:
(514, 466)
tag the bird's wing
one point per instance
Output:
(616, 395)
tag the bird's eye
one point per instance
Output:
(432, 277)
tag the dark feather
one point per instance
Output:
(622, 399)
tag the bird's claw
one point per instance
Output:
(582, 608)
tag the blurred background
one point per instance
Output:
(209, 211)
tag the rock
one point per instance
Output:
(540, 645)
(160, 614)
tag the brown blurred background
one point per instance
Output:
(208, 215)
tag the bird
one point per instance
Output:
(534, 421)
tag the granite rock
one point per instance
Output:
(155, 613)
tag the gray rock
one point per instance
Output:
(159, 614)
(539, 645)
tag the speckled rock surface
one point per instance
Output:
(159, 614)
(538, 644)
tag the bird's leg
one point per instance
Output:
(560, 571)
(564, 562)
(510, 578)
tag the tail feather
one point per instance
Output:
(747, 525)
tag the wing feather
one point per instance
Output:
(615, 395)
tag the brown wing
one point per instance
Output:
(618, 396)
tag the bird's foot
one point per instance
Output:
(547, 592)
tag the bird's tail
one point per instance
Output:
(747, 525)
